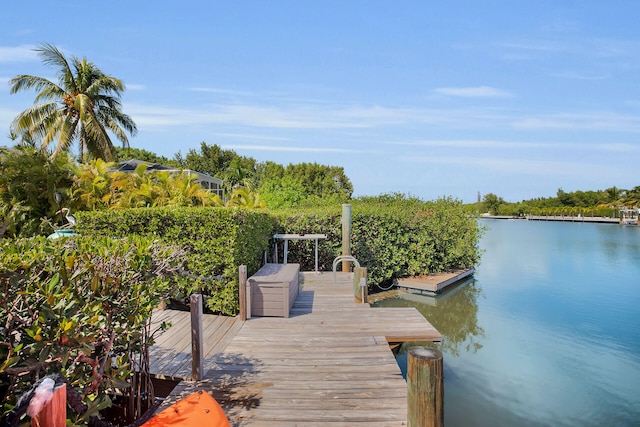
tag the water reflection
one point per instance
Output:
(547, 333)
(454, 313)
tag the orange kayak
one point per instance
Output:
(198, 409)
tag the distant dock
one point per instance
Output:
(435, 282)
(560, 218)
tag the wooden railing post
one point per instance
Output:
(196, 337)
(242, 292)
(425, 388)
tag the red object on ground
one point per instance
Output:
(198, 409)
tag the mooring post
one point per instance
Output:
(242, 292)
(346, 234)
(195, 305)
(425, 388)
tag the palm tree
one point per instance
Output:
(82, 107)
(244, 198)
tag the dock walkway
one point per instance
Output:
(328, 364)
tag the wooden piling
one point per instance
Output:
(242, 292)
(197, 352)
(346, 235)
(425, 388)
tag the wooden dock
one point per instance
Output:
(330, 363)
(435, 282)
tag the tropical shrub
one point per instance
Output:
(216, 242)
(98, 185)
(28, 179)
(392, 235)
(81, 308)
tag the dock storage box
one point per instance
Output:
(273, 290)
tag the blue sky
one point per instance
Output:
(422, 97)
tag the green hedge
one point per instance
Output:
(391, 236)
(217, 241)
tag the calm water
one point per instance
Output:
(548, 331)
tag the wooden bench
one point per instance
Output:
(272, 290)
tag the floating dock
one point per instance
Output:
(558, 218)
(328, 364)
(571, 218)
(435, 282)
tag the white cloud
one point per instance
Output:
(283, 148)
(473, 92)
(506, 166)
(601, 121)
(133, 86)
(280, 117)
(17, 53)
(615, 147)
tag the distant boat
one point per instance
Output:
(630, 216)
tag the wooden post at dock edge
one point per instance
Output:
(346, 235)
(242, 291)
(425, 387)
(359, 273)
(197, 349)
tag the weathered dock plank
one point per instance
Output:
(329, 364)
(170, 356)
(435, 282)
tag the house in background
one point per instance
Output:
(207, 181)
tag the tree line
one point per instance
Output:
(594, 202)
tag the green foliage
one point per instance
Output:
(241, 197)
(79, 307)
(603, 203)
(303, 184)
(392, 235)
(233, 169)
(492, 203)
(321, 180)
(280, 193)
(98, 186)
(28, 179)
(216, 241)
(312, 221)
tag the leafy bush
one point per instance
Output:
(28, 179)
(216, 241)
(80, 307)
(392, 235)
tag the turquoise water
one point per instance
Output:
(547, 333)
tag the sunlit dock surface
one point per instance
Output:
(330, 363)
(436, 282)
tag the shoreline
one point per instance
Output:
(557, 218)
